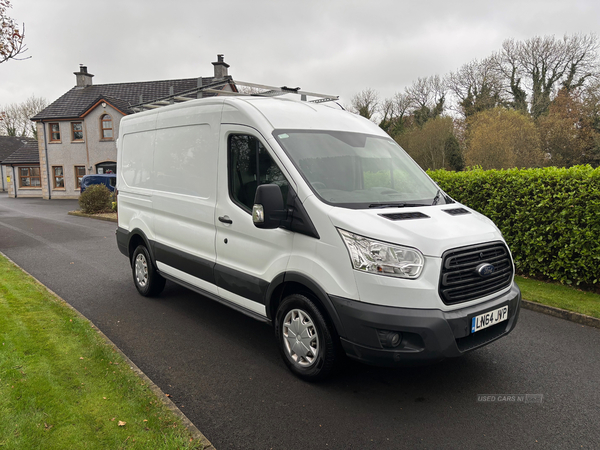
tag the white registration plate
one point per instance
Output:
(489, 318)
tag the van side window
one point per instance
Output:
(250, 165)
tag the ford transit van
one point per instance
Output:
(314, 220)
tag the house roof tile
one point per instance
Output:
(10, 144)
(27, 154)
(122, 96)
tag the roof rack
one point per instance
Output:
(227, 86)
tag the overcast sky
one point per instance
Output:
(329, 46)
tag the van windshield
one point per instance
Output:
(357, 170)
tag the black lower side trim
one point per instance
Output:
(240, 283)
(192, 265)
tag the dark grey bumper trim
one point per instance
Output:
(428, 335)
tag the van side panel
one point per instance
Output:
(136, 147)
(136, 166)
(184, 195)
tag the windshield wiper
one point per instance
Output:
(394, 205)
(436, 199)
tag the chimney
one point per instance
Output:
(220, 67)
(84, 79)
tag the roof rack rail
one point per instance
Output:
(220, 88)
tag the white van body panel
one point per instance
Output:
(135, 198)
(289, 114)
(185, 185)
(432, 236)
(325, 259)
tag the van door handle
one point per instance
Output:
(225, 219)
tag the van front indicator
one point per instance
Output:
(258, 214)
(369, 255)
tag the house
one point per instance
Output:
(24, 164)
(77, 133)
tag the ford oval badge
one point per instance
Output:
(485, 270)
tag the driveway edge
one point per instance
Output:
(91, 216)
(562, 313)
(195, 432)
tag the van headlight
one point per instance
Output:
(369, 255)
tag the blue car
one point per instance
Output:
(109, 180)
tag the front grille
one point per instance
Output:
(460, 280)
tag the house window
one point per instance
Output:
(106, 167)
(107, 127)
(54, 132)
(29, 177)
(76, 131)
(79, 174)
(59, 177)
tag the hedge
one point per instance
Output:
(549, 217)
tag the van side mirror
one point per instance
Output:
(268, 210)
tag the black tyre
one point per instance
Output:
(147, 281)
(308, 345)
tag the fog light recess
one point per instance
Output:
(389, 339)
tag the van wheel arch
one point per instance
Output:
(290, 283)
(137, 237)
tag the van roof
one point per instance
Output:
(267, 112)
(284, 113)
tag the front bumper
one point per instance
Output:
(427, 335)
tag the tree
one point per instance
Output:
(394, 112)
(428, 145)
(11, 38)
(591, 104)
(453, 154)
(477, 86)
(501, 138)
(426, 98)
(366, 103)
(567, 132)
(15, 117)
(538, 66)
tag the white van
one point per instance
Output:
(314, 220)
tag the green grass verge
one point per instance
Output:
(560, 296)
(62, 386)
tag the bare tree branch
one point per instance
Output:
(477, 86)
(15, 117)
(426, 97)
(11, 38)
(366, 103)
(544, 64)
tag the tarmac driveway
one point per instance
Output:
(223, 369)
